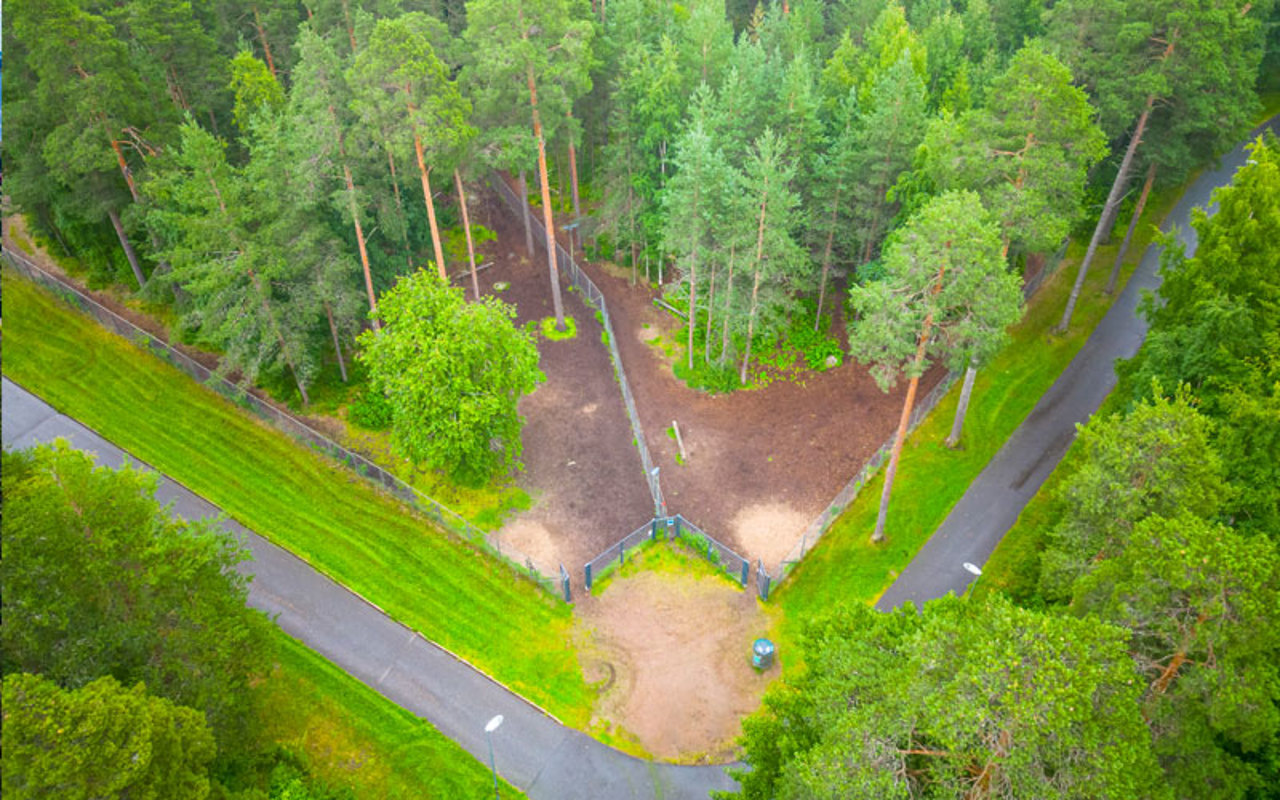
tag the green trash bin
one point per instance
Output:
(762, 652)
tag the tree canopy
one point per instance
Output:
(453, 372)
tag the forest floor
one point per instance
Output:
(580, 467)
(761, 463)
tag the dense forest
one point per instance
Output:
(1140, 654)
(289, 179)
(270, 168)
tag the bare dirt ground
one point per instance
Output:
(761, 463)
(677, 648)
(580, 466)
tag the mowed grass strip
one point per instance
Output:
(352, 737)
(845, 567)
(454, 594)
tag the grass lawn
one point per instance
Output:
(352, 737)
(340, 524)
(845, 567)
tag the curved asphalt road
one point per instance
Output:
(534, 752)
(995, 499)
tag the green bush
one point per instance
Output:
(370, 410)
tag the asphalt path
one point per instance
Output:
(532, 750)
(995, 499)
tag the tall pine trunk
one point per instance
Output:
(1133, 224)
(1108, 210)
(129, 252)
(711, 312)
(826, 256)
(573, 181)
(431, 206)
(266, 46)
(524, 215)
(337, 347)
(962, 407)
(755, 288)
(466, 229)
(395, 185)
(353, 206)
(904, 422)
(547, 221)
(693, 277)
(262, 296)
(728, 312)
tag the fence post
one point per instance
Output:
(564, 584)
(653, 529)
(622, 555)
(677, 526)
(746, 568)
(587, 571)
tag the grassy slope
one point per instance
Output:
(355, 738)
(366, 540)
(845, 567)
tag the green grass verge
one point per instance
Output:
(451, 592)
(670, 557)
(354, 738)
(551, 333)
(845, 567)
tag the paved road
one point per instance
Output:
(534, 752)
(995, 499)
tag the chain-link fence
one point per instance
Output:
(845, 496)
(711, 549)
(616, 554)
(284, 421)
(593, 298)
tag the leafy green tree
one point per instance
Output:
(1026, 154)
(520, 49)
(319, 93)
(893, 123)
(778, 264)
(966, 700)
(210, 219)
(453, 372)
(98, 579)
(1215, 328)
(1203, 603)
(1187, 71)
(100, 741)
(835, 177)
(255, 89)
(945, 295)
(97, 106)
(1156, 460)
(692, 203)
(401, 86)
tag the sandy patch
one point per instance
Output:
(533, 540)
(769, 531)
(674, 651)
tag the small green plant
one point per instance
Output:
(501, 286)
(370, 410)
(548, 328)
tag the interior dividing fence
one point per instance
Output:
(593, 298)
(448, 519)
